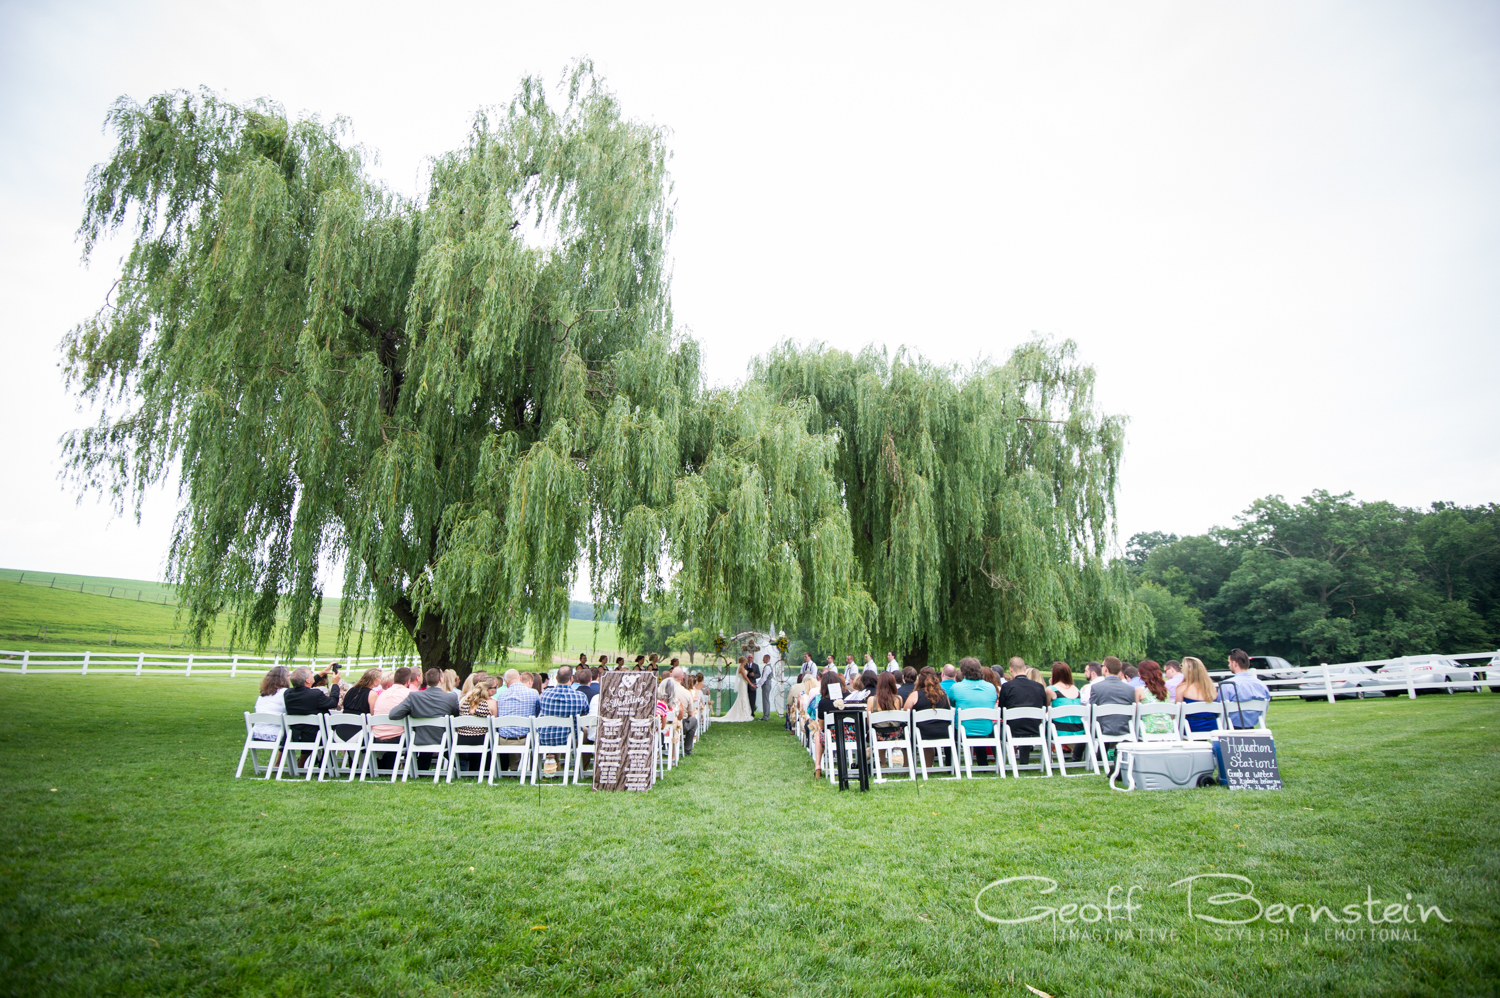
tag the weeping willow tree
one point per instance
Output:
(981, 500)
(458, 398)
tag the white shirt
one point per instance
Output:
(1173, 683)
(273, 704)
(893, 666)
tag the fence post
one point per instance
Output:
(1411, 689)
(189, 667)
(1327, 683)
(85, 671)
(25, 660)
(140, 660)
(233, 666)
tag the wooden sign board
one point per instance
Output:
(624, 749)
(1248, 761)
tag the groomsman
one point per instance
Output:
(891, 665)
(765, 688)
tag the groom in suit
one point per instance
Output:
(752, 685)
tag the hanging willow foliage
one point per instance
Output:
(457, 398)
(982, 499)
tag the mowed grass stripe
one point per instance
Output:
(150, 871)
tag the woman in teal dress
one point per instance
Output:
(1062, 693)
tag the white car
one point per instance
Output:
(1346, 680)
(1427, 669)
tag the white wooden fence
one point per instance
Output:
(88, 663)
(1404, 675)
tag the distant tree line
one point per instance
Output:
(1328, 579)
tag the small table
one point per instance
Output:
(842, 721)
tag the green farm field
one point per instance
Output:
(132, 863)
(77, 613)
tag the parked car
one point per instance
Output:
(1270, 667)
(1428, 669)
(1492, 673)
(1346, 680)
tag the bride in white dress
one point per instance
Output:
(740, 711)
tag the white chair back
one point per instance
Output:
(466, 725)
(1156, 722)
(253, 744)
(1079, 714)
(349, 744)
(900, 744)
(416, 750)
(970, 744)
(378, 749)
(588, 735)
(1014, 741)
(499, 749)
(1200, 709)
(297, 727)
(539, 751)
(920, 742)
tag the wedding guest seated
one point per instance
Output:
(385, 702)
(1132, 676)
(1091, 674)
(587, 685)
(476, 702)
(272, 700)
(908, 682)
(950, 676)
(973, 692)
(1062, 693)
(1239, 687)
(1153, 689)
(887, 697)
(687, 707)
(929, 695)
(1171, 670)
(562, 699)
(518, 699)
(1112, 690)
(430, 701)
(1197, 687)
(305, 700)
(360, 699)
(1022, 691)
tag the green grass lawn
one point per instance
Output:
(63, 618)
(131, 863)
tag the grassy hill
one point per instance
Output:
(44, 611)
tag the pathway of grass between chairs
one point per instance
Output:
(131, 863)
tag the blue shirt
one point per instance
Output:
(560, 701)
(947, 686)
(1238, 687)
(516, 700)
(968, 693)
(1137, 682)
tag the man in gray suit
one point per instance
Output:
(430, 701)
(1112, 690)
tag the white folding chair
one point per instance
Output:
(539, 752)
(1233, 709)
(307, 723)
(1171, 711)
(939, 745)
(456, 751)
(1200, 709)
(886, 747)
(1103, 741)
(1038, 741)
(969, 744)
(588, 735)
(352, 747)
(416, 750)
(253, 744)
(505, 727)
(1067, 739)
(378, 749)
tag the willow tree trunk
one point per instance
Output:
(430, 635)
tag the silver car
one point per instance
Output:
(1428, 669)
(1346, 680)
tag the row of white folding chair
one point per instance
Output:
(956, 751)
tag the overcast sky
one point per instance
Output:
(1274, 228)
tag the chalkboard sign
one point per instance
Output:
(625, 743)
(1247, 761)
